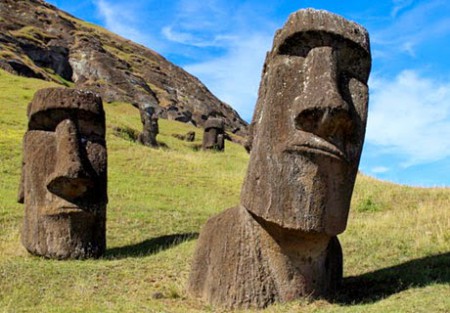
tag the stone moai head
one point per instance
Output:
(309, 124)
(190, 136)
(150, 129)
(214, 135)
(64, 175)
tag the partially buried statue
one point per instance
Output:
(63, 183)
(150, 129)
(308, 129)
(214, 135)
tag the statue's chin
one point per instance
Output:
(310, 192)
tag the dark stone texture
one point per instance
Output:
(150, 129)
(190, 136)
(64, 175)
(242, 263)
(214, 135)
(306, 138)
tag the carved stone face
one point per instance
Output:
(213, 137)
(309, 124)
(64, 174)
(149, 120)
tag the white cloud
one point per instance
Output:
(408, 47)
(187, 38)
(410, 116)
(237, 36)
(400, 5)
(124, 19)
(172, 35)
(379, 169)
(116, 18)
(234, 77)
(412, 25)
(198, 23)
(207, 16)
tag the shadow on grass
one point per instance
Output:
(374, 286)
(148, 247)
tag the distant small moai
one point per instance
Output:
(308, 129)
(214, 135)
(190, 136)
(64, 173)
(150, 129)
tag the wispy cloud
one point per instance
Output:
(379, 169)
(238, 38)
(411, 25)
(410, 116)
(234, 77)
(198, 23)
(125, 18)
(208, 16)
(190, 39)
(399, 5)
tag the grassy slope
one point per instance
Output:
(396, 247)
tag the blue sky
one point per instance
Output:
(223, 42)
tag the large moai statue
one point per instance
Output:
(150, 129)
(308, 129)
(214, 135)
(64, 174)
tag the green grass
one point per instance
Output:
(34, 34)
(396, 247)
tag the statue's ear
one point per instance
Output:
(21, 195)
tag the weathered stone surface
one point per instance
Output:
(64, 174)
(240, 262)
(39, 41)
(150, 129)
(214, 135)
(307, 133)
(189, 136)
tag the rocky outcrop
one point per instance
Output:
(38, 40)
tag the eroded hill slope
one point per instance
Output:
(39, 40)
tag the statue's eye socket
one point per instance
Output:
(48, 120)
(89, 125)
(352, 57)
(354, 64)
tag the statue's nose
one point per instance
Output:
(69, 180)
(322, 110)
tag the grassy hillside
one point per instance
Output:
(396, 247)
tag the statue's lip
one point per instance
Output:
(311, 143)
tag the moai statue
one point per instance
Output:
(214, 135)
(308, 129)
(64, 172)
(150, 129)
(190, 136)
